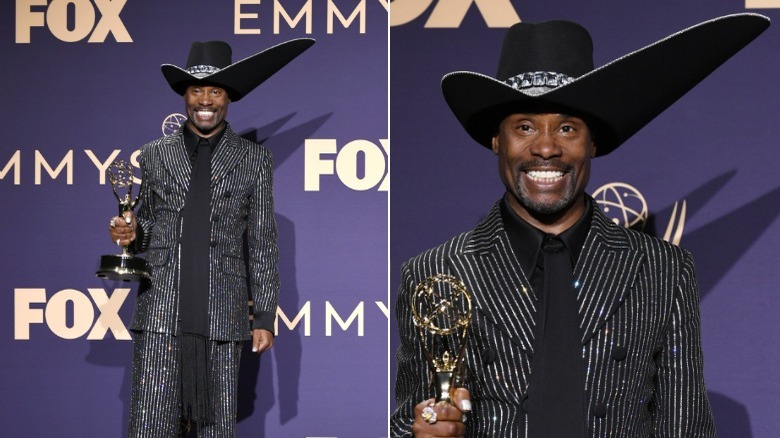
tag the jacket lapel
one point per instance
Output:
(491, 272)
(604, 274)
(228, 154)
(175, 158)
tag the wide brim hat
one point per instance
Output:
(210, 63)
(548, 67)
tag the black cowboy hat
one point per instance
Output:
(210, 63)
(548, 67)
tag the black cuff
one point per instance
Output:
(264, 320)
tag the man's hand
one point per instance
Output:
(445, 420)
(122, 228)
(261, 340)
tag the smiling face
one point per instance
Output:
(206, 108)
(544, 162)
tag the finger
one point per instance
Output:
(257, 342)
(431, 420)
(447, 412)
(420, 406)
(265, 344)
(462, 399)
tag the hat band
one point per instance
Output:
(538, 79)
(201, 71)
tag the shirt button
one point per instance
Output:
(600, 410)
(227, 194)
(489, 356)
(213, 243)
(215, 218)
(619, 353)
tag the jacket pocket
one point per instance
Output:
(230, 265)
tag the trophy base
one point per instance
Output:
(123, 268)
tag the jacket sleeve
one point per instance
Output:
(145, 216)
(682, 408)
(263, 250)
(412, 384)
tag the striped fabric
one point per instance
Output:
(638, 316)
(241, 201)
(155, 410)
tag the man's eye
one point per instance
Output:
(567, 128)
(524, 127)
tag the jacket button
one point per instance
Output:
(227, 194)
(600, 410)
(524, 404)
(168, 191)
(213, 243)
(619, 353)
(489, 356)
(215, 218)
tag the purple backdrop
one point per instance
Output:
(75, 101)
(715, 150)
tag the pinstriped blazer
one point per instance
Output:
(638, 315)
(241, 201)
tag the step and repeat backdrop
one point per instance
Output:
(703, 175)
(82, 88)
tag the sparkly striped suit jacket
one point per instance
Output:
(241, 201)
(639, 321)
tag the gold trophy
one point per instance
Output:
(441, 310)
(124, 266)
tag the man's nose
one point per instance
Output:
(205, 99)
(545, 146)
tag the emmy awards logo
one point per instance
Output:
(172, 123)
(626, 206)
(441, 310)
(124, 266)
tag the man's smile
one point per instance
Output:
(545, 176)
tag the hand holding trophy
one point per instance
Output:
(441, 310)
(124, 266)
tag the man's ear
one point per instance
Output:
(494, 144)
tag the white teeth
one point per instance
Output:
(545, 175)
(204, 114)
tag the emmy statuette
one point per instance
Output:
(441, 310)
(124, 266)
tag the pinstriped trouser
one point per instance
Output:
(155, 407)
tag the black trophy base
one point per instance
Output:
(123, 268)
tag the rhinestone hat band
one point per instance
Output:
(201, 71)
(538, 79)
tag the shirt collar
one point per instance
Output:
(191, 139)
(526, 240)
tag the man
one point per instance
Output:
(204, 188)
(580, 327)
